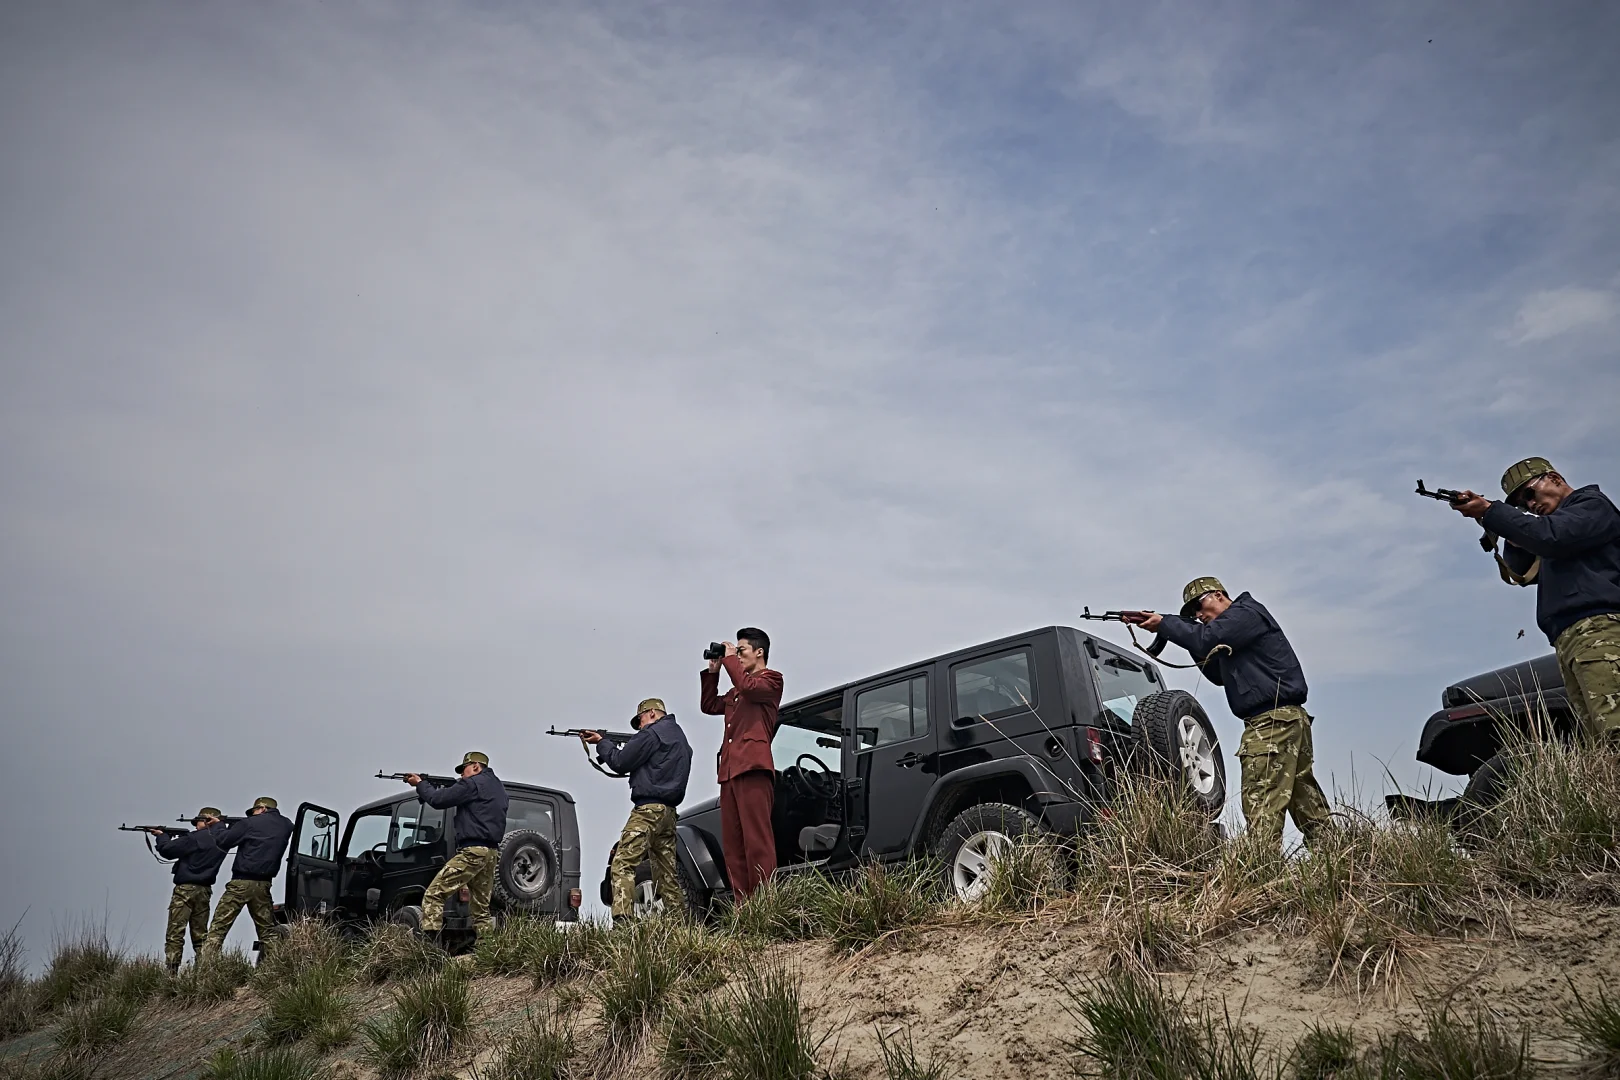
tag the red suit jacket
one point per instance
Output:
(750, 708)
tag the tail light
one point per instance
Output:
(1467, 712)
(1094, 744)
(465, 895)
(574, 898)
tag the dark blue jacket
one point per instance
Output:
(658, 759)
(196, 856)
(1260, 673)
(480, 803)
(1579, 547)
(260, 841)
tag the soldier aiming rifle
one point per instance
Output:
(196, 859)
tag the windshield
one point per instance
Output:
(816, 729)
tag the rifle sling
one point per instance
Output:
(1156, 646)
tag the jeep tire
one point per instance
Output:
(409, 916)
(700, 902)
(525, 870)
(1485, 788)
(1182, 745)
(974, 839)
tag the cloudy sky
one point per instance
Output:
(383, 380)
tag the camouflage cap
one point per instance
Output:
(1196, 589)
(472, 757)
(206, 812)
(265, 801)
(651, 703)
(1521, 473)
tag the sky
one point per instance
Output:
(383, 381)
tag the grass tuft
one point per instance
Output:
(89, 1027)
(212, 979)
(541, 1049)
(430, 1016)
(793, 908)
(278, 1063)
(1028, 875)
(1324, 1052)
(19, 1000)
(83, 961)
(1450, 1048)
(1559, 818)
(1596, 1023)
(645, 965)
(303, 944)
(900, 1061)
(311, 1005)
(540, 949)
(393, 952)
(1134, 1030)
(756, 1030)
(881, 902)
(139, 980)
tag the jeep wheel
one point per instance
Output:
(1182, 745)
(700, 902)
(525, 869)
(409, 916)
(975, 839)
(1484, 790)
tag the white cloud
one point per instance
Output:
(1550, 313)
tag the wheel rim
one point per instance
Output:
(1197, 752)
(528, 870)
(970, 870)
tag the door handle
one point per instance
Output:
(908, 760)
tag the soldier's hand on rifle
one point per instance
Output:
(1472, 505)
(592, 737)
(1147, 620)
(155, 832)
(412, 779)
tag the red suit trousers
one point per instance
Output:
(746, 838)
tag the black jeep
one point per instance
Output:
(393, 847)
(957, 755)
(1476, 717)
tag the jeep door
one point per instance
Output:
(417, 847)
(312, 867)
(896, 748)
(1006, 701)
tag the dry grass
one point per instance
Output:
(1558, 822)
(304, 943)
(393, 952)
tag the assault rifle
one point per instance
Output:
(224, 819)
(1153, 648)
(166, 830)
(1439, 494)
(618, 737)
(1487, 541)
(436, 781)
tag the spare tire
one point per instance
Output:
(525, 870)
(1182, 745)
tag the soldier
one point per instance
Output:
(659, 761)
(1240, 647)
(1566, 542)
(747, 771)
(197, 859)
(480, 801)
(260, 840)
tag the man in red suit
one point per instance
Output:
(747, 773)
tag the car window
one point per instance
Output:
(893, 713)
(535, 814)
(1121, 683)
(415, 825)
(815, 729)
(317, 833)
(368, 831)
(994, 685)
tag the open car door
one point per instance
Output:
(312, 869)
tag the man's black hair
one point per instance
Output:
(758, 638)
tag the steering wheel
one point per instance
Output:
(824, 784)
(373, 855)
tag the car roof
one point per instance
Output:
(964, 650)
(511, 789)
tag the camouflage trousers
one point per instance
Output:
(1589, 659)
(188, 906)
(242, 893)
(473, 867)
(1276, 758)
(650, 835)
